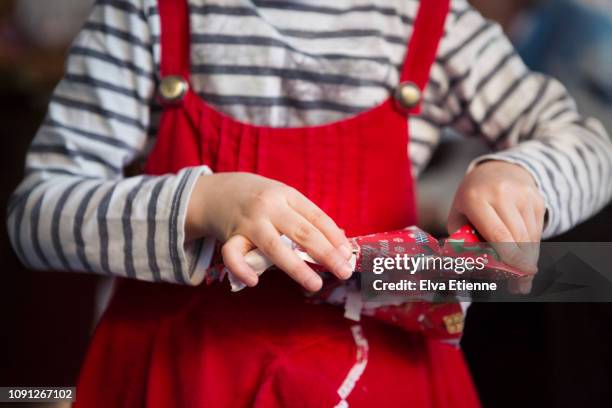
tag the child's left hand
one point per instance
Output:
(502, 201)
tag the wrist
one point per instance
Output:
(196, 217)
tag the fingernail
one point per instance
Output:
(314, 283)
(345, 251)
(252, 280)
(346, 270)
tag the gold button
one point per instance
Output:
(408, 95)
(173, 88)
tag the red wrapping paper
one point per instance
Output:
(443, 321)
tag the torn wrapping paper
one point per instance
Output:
(439, 320)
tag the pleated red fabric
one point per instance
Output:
(162, 345)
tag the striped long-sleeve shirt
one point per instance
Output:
(276, 63)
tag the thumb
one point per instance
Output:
(455, 221)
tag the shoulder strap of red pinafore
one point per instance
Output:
(175, 38)
(423, 45)
(421, 51)
(178, 137)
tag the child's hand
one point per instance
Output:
(503, 203)
(247, 211)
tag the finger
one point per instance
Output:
(534, 228)
(525, 284)
(517, 223)
(268, 240)
(322, 221)
(513, 220)
(513, 286)
(488, 223)
(539, 211)
(531, 223)
(299, 230)
(521, 285)
(233, 252)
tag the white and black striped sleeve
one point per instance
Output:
(74, 209)
(528, 119)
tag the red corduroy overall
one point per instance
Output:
(161, 345)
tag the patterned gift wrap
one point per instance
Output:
(443, 321)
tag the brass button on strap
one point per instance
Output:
(408, 95)
(173, 88)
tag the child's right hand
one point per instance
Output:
(247, 211)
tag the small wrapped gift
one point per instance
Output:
(443, 321)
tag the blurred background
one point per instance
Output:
(46, 317)
(550, 355)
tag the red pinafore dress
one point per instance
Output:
(161, 345)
